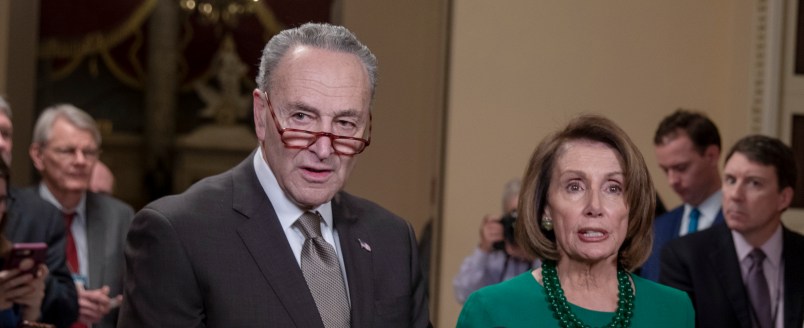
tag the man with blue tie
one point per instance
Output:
(687, 146)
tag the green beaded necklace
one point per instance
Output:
(561, 309)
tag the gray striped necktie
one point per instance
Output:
(322, 271)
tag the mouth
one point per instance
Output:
(314, 174)
(592, 235)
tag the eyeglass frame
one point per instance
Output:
(316, 135)
(71, 152)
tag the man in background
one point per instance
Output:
(746, 273)
(687, 148)
(102, 179)
(65, 148)
(31, 219)
(497, 257)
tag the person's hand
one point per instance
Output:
(95, 304)
(14, 285)
(491, 231)
(32, 302)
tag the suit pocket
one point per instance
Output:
(394, 310)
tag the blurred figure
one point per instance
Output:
(102, 179)
(746, 273)
(687, 146)
(31, 219)
(21, 294)
(497, 257)
(65, 148)
(585, 213)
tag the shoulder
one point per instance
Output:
(658, 292)
(670, 216)
(694, 242)
(108, 203)
(513, 303)
(206, 194)
(519, 288)
(662, 305)
(353, 207)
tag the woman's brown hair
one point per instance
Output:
(639, 191)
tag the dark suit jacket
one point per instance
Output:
(108, 220)
(216, 256)
(31, 219)
(705, 265)
(665, 229)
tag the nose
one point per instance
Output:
(80, 158)
(322, 147)
(673, 178)
(594, 207)
(734, 192)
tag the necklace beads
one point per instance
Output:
(561, 309)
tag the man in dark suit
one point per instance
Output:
(748, 272)
(64, 150)
(31, 219)
(241, 249)
(687, 148)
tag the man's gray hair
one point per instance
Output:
(74, 115)
(323, 36)
(5, 108)
(511, 190)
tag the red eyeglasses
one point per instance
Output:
(303, 139)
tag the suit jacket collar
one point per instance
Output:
(724, 261)
(262, 235)
(357, 257)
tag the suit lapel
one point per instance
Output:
(719, 218)
(262, 235)
(726, 264)
(792, 244)
(96, 241)
(356, 245)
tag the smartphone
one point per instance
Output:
(21, 251)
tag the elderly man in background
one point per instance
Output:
(65, 148)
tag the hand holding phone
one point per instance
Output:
(21, 251)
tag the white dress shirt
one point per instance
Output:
(709, 209)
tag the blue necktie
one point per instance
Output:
(693, 225)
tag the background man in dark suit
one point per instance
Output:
(31, 219)
(748, 272)
(234, 249)
(688, 150)
(65, 147)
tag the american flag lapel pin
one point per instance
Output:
(364, 245)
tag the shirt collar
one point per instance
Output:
(710, 207)
(772, 247)
(80, 210)
(286, 210)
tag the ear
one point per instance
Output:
(712, 154)
(785, 200)
(260, 110)
(37, 156)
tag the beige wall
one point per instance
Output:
(521, 69)
(399, 169)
